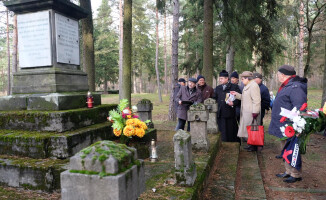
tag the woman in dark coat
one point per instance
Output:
(188, 94)
(226, 113)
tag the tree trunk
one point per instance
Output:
(208, 42)
(134, 82)
(301, 38)
(120, 46)
(8, 56)
(165, 59)
(174, 68)
(141, 90)
(88, 45)
(14, 46)
(105, 87)
(230, 58)
(156, 60)
(127, 53)
(324, 82)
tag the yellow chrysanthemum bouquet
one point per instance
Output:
(125, 123)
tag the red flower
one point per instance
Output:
(321, 109)
(289, 131)
(303, 107)
(282, 119)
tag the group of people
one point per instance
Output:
(242, 104)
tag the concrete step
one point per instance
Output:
(28, 173)
(55, 145)
(56, 121)
(250, 183)
(222, 179)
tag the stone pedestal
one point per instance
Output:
(104, 170)
(211, 106)
(185, 168)
(144, 111)
(49, 64)
(198, 117)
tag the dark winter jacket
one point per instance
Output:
(184, 95)
(224, 110)
(206, 91)
(265, 99)
(294, 94)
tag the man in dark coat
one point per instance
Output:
(226, 113)
(235, 80)
(292, 93)
(264, 94)
(181, 82)
(206, 90)
(187, 96)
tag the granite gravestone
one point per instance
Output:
(49, 75)
(211, 106)
(198, 117)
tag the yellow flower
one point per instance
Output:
(143, 125)
(129, 131)
(117, 132)
(131, 122)
(324, 108)
(139, 132)
(129, 116)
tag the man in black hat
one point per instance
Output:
(226, 113)
(235, 80)
(264, 94)
(292, 93)
(186, 97)
(206, 90)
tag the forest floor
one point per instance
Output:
(313, 185)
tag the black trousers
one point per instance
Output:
(181, 125)
(229, 129)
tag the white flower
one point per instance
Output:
(125, 111)
(299, 130)
(296, 119)
(134, 108)
(301, 123)
(110, 118)
(295, 126)
(282, 129)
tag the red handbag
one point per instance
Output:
(255, 134)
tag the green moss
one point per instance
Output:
(104, 149)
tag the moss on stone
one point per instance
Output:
(102, 150)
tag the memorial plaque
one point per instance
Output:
(67, 40)
(34, 39)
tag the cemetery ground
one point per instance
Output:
(235, 173)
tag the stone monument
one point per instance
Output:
(49, 75)
(211, 106)
(104, 170)
(46, 120)
(198, 117)
(185, 168)
(144, 110)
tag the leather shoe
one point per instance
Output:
(292, 179)
(252, 148)
(247, 147)
(284, 175)
(279, 156)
